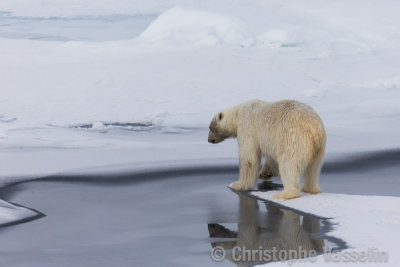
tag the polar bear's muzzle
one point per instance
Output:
(214, 138)
(211, 138)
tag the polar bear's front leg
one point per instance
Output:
(249, 164)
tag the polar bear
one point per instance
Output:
(289, 134)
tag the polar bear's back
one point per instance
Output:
(285, 127)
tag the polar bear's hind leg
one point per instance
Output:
(270, 169)
(290, 176)
(311, 175)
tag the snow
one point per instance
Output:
(206, 60)
(145, 89)
(182, 25)
(364, 222)
(275, 38)
(392, 83)
(11, 213)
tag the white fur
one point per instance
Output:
(288, 133)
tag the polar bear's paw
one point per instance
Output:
(311, 190)
(265, 175)
(239, 186)
(287, 194)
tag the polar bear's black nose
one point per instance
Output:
(212, 141)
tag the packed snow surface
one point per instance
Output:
(191, 62)
(11, 213)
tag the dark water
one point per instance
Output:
(174, 222)
(173, 217)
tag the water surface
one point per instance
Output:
(173, 220)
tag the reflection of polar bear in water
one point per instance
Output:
(277, 228)
(288, 133)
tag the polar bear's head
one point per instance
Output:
(222, 126)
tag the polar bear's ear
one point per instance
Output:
(220, 115)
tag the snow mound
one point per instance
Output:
(189, 26)
(389, 84)
(275, 38)
(10, 213)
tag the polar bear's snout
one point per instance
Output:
(217, 136)
(211, 135)
(212, 138)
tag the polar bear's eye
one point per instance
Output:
(220, 116)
